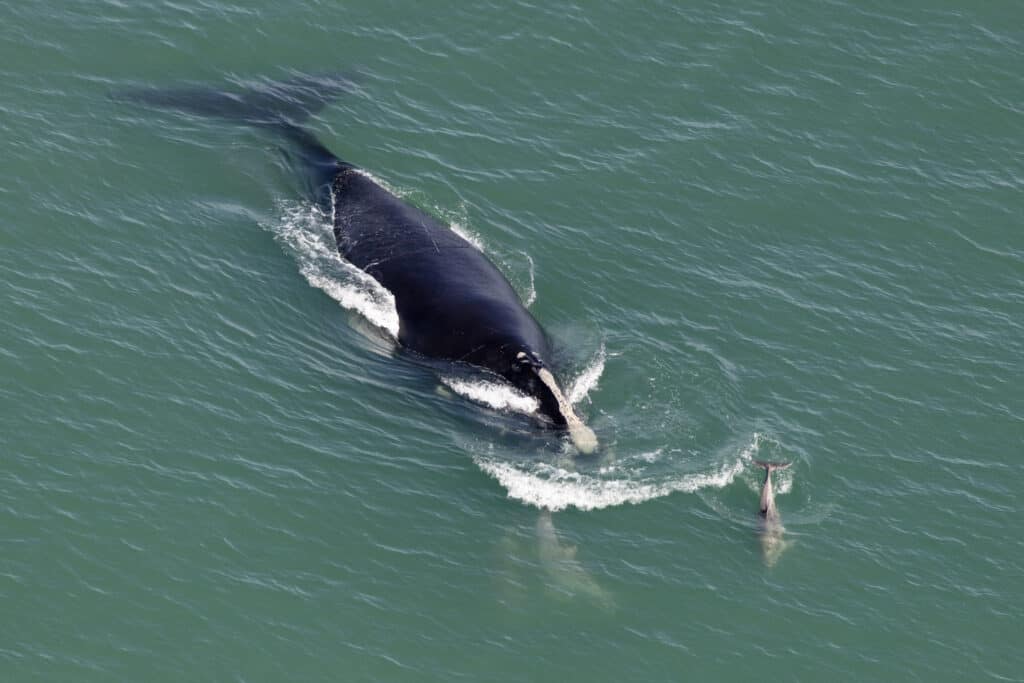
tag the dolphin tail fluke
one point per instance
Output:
(281, 106)
(772, 466)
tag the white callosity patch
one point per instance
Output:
(582, 436)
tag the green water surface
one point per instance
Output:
(763, 230)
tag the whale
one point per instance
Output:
(453, 303)
(772, 533)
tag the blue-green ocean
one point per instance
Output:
(753, 230)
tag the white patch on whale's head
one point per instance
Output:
(528, 372)
(582, 436)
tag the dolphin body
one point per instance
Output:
(568, 577)
(453, 303)
(773, 544)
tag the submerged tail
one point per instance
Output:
(262, 102)
(282, 107)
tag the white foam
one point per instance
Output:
(651, 456)
(307, 234)
(531, 294)
(465, 234)
(751, 449)
(380, 181)
(497, 395)
(552, 488)
(587, 380)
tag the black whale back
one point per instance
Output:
(452, 302)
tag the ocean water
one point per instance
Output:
(785, 231)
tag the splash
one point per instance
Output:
(587, 380)
(531, 293)
(465, 234)
(458, 225)
(554, 488)
(751, 450)
(307, 235)
(497, 395)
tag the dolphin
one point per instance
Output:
(569, 578)
(771, 530)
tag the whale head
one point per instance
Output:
(525, 374)
(529, 374)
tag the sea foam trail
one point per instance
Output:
(553, 488)
(550, 487)
(531, 292)
(495, 394)
(308, 236)
(465, 234)
(587, 380)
